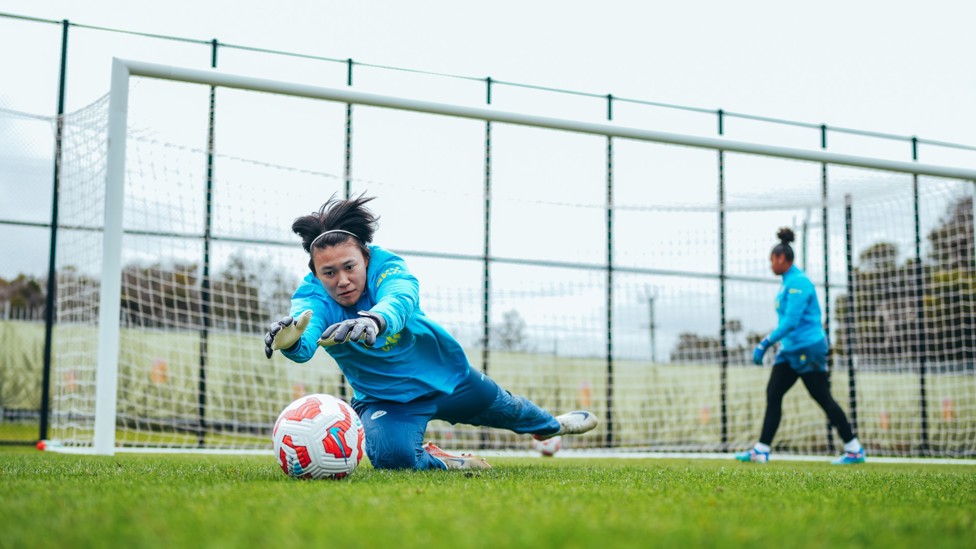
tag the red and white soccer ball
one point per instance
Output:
(548, 447)
(318, 436)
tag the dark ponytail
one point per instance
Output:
(785, 236)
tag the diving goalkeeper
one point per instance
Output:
(362, 305)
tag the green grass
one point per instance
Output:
(19, 431)
(245, 501)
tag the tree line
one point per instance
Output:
(243, 296)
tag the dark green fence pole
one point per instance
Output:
(920, 314)
(486, 260)
(849, 238)
(610, 421)
(348, 162)
(724, 350)
(52, 272)
(826, 271)
(205, 279)
(347, 178)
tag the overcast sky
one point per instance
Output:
(887, 65)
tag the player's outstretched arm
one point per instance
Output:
(286, 332)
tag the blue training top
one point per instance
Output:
(799, 312)
(413, 356)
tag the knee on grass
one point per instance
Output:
(394, 457)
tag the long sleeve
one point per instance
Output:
(397, 295)
(797, 293)
(308, 296)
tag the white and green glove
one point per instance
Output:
(285, 333)
(365, 329)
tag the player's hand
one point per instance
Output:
(365, 329)
(760, 350)
(284, 333)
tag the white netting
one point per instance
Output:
(655, 370)
(183, 382)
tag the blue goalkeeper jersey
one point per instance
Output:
(799, 312)
(412, 357)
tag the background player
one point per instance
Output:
(802, 355)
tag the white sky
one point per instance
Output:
(887, 66)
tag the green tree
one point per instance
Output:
(24, 292)
(891, 299)
(509, 334)
(696, 348)
(880, 256)
(952, 245)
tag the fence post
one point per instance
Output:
(723, 346)
(52, 273)
(205, 278)
(347, 178)
(486, 260)
(610, 423)
(851, 384)
(920, 313)
(826, 273)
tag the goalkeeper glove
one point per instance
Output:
(285, 333)
(365, 329)
(760, 350)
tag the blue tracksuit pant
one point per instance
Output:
(395, 430)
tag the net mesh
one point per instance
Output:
(639, 344)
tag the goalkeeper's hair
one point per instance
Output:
(349, 216)
(785, 236)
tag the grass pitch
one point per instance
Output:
(245, 501)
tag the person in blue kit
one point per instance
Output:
(362, 305)
(802, 355)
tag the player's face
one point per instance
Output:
(779, 264)
(342, 270)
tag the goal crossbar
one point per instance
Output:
(213, 77)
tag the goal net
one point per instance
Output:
(582, 265)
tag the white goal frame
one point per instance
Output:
(124, 69)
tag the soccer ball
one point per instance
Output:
(548, 447)
(318, 436)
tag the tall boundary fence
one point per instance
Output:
(915, 341)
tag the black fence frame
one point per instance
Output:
(487, 259)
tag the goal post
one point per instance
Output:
(656, 404)
(106, 388)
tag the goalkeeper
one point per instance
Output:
(362, 304)
(802, 355)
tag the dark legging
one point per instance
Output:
(780, 381)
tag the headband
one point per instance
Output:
(328, 232)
